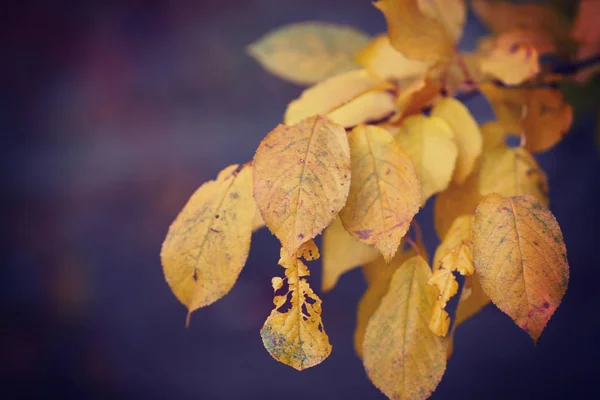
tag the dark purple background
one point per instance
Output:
(112, 114)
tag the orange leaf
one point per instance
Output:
(301, 179)
(403, 358)
(208, 243)
(521, 259)
(385, 193)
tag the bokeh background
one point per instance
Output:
(112, 114)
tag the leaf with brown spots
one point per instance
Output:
(466, 135)
(416, 31)
(384, 193)
(455, 253)
(308, 52)
(429, 142)
(341, 253)
(403, 358)
(521, 259)
(208, 243)
(296, 337)
(301, 179)
(347, 99)
(378, 275)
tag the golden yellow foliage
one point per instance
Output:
(520, 258)
(466, 135)
(380, 58)
(341, 253)
(308, 52)
(455, 253)
(296, 337)
(378, 275)
(450, 13)
(429, 142)
(348, 99)
(494, 135)
(208, 243)
(455, 201)
(384, 193)
(508, 60)
(414, 34)
(512, 172)
(402, 357)
(301, 179)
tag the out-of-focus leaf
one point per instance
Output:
(308, 52)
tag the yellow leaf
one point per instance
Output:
(380, 58)
(335, 98)
(429, 142)
(547, 119)
(384, 193)
(413, 96)
(508, 105)
(341, 253)
(308, 52)
(546, 28)
(413, 33)
(450, 13)
(521, 259)
(455, 201)
(512, 172)
(378, 275)
(466, 135)
(509, 60)
(494, 135)
(208, 243)
(296, 337)
(403, 358)
(301, 179)
(455, 253)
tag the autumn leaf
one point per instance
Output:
(341, 253)
(455, 253)
(402, 357)
(414, 96)
(296, 336)
(455, 201)
(348, 99)
(508, 59)
(466, 135)
(301, 179)
(380, 58)
(384, 193)
(520, 258)
(208, 243)
(416, 33)
(586, 32)
(494, 135)
(512, 172)
(429, 142)
(546, 28)
(378, 275)
(308, 52)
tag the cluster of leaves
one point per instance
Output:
(381, 132)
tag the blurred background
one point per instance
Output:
(112, 114)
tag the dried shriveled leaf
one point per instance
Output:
(543, 23)
(208, 243)
(296, 337)
(309, 52)
(512, 172)
(384, 193)
(341, 253)
(455, 253)
(466, 135)
(413, 33)
(521, 259)
(301, 179)
(380, 58)
(378, 275)
(429, 142)
(403, 358)
(455, 201)
(508, 59)
(347, 99)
